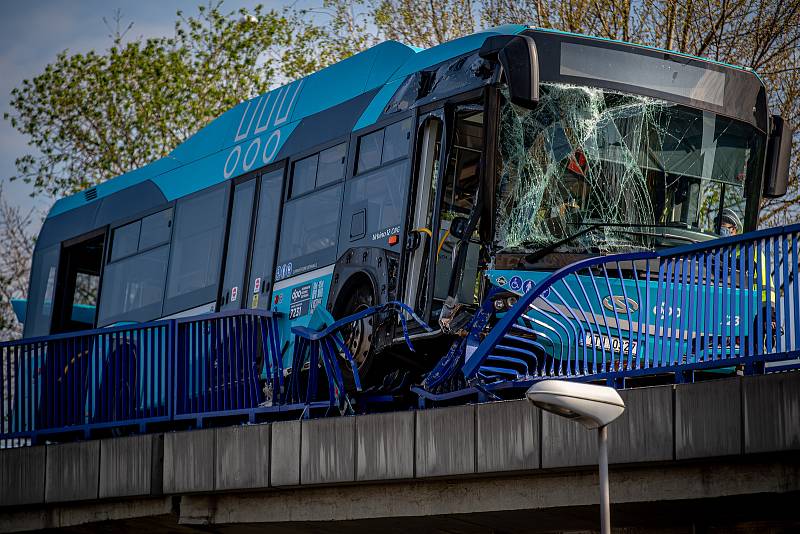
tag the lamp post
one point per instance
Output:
(593, 407)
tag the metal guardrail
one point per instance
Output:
(729, 302)
(328, 349)
(227, 363)
(219, 365)
(77, 382)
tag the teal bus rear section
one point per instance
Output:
(408, 176)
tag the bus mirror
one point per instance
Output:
(517, 55)
(458, 227)
(779, 147)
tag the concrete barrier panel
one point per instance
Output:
(385, 446)
(708, 419)
(284, 468)
(127, 466)
(189, 461)
(508, 436)
(445, 441)
(644, 432)
(772, 412)
(566, 443)
(72, 471)
(22, 476)
(285, 462)
(327, 450)
(242, 457)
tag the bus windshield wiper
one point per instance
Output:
(547, 249)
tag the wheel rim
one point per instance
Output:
(357, 337)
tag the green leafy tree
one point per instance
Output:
(89, 117)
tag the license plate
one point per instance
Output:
(611, 344)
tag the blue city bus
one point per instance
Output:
(431, 177)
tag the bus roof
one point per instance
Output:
(251, 134)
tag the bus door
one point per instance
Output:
(239, 232)
(249, 261)
(78, 282)
(446, 195)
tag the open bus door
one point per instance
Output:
(78, 283)
(447, 190)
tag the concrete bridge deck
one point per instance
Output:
(721, 454)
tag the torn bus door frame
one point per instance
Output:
(483, 208)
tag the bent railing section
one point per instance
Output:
(324, 352)
(728, 302)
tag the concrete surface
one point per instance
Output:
(708, 418)
(242, 457)
(128, 466)
(475, 467)
(772, 412)
(445, 441)
(189, 461)
(385, 446)
(327, 453)
(72, 471)
(644, 432)
(507, 436)
(285, 446)
(22, 475)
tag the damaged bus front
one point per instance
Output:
(617, 149)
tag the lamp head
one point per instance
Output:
(592, 406)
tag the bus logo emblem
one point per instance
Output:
(620, 304)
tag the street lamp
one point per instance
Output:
(593, 407)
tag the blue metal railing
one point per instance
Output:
(728, 302)
(226, 363)
(724, 303)
(325, 350)
(96, 378)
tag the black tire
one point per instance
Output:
(357, 336)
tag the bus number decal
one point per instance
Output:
(299, 301)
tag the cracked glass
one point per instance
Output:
(596, 171)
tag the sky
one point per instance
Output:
(33, 32)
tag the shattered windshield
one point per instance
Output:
(617, 169)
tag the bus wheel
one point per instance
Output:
(358, 335)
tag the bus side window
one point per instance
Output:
(196, 256)
(309, 232)
(133, 279)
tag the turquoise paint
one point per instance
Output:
(426, 58)
(82, 313)
(218, 151)
(119, 183)
(282, 303)
(660, 305)
(377, 105)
